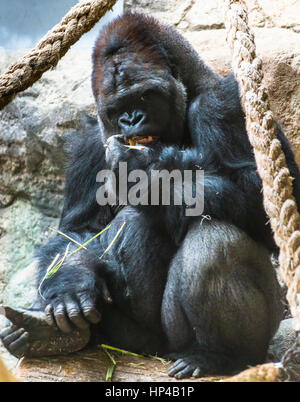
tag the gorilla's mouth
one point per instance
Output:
(139, 140)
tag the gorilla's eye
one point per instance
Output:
(152, 94)
(148, 93)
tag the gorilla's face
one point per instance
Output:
(139, 100)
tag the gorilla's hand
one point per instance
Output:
(115, 150)
(136, 157)
(73, 296)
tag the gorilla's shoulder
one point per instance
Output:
(84, 148)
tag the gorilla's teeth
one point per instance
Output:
(132, 142)
(138, 147)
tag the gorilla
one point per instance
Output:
(199, 290)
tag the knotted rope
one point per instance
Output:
(51, 48)
(279, 202)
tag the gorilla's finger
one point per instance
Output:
(105, 292)
(8, 330)
(20, 345)
(176, 367)
(197, 372)
(49, 315)
(75, 314)
(177, 363)
(12, 336)
(61, 318)
(89, 310)
(184, 372)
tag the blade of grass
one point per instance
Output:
(113, 240)
(126, 352)
(110, 372)
(48, 269)
(52, 269)
(111, 368)
(83, 245)
(68, 237)
(88, 241)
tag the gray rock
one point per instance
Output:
(25, 228)
(203, 14)
(284, 338)
(33, 129)
(21, 288)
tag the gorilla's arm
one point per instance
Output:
(217, 127)
(223, 198)
(74, 288)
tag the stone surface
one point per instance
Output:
(33, 127)
(26, 228)
(202, 14)
(283, 13)
(282, 78)
(21, 288)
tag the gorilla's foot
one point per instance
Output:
(30, 335)
(199, 364)
(186, 366)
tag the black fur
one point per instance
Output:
(202, 291)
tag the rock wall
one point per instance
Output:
(196, 15)
(33, 127)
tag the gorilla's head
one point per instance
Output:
(136, 88)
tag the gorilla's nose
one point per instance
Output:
(132, 120)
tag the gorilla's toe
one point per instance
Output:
(31, 335)
(16, 341)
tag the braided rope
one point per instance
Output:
(279, 202)
(51, 48)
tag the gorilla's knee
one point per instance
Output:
(223, 294)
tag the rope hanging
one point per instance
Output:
(279, 202)
(51, 48)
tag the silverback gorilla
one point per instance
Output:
(200, 291)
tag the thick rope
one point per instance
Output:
(51, 48)
(279, 202)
